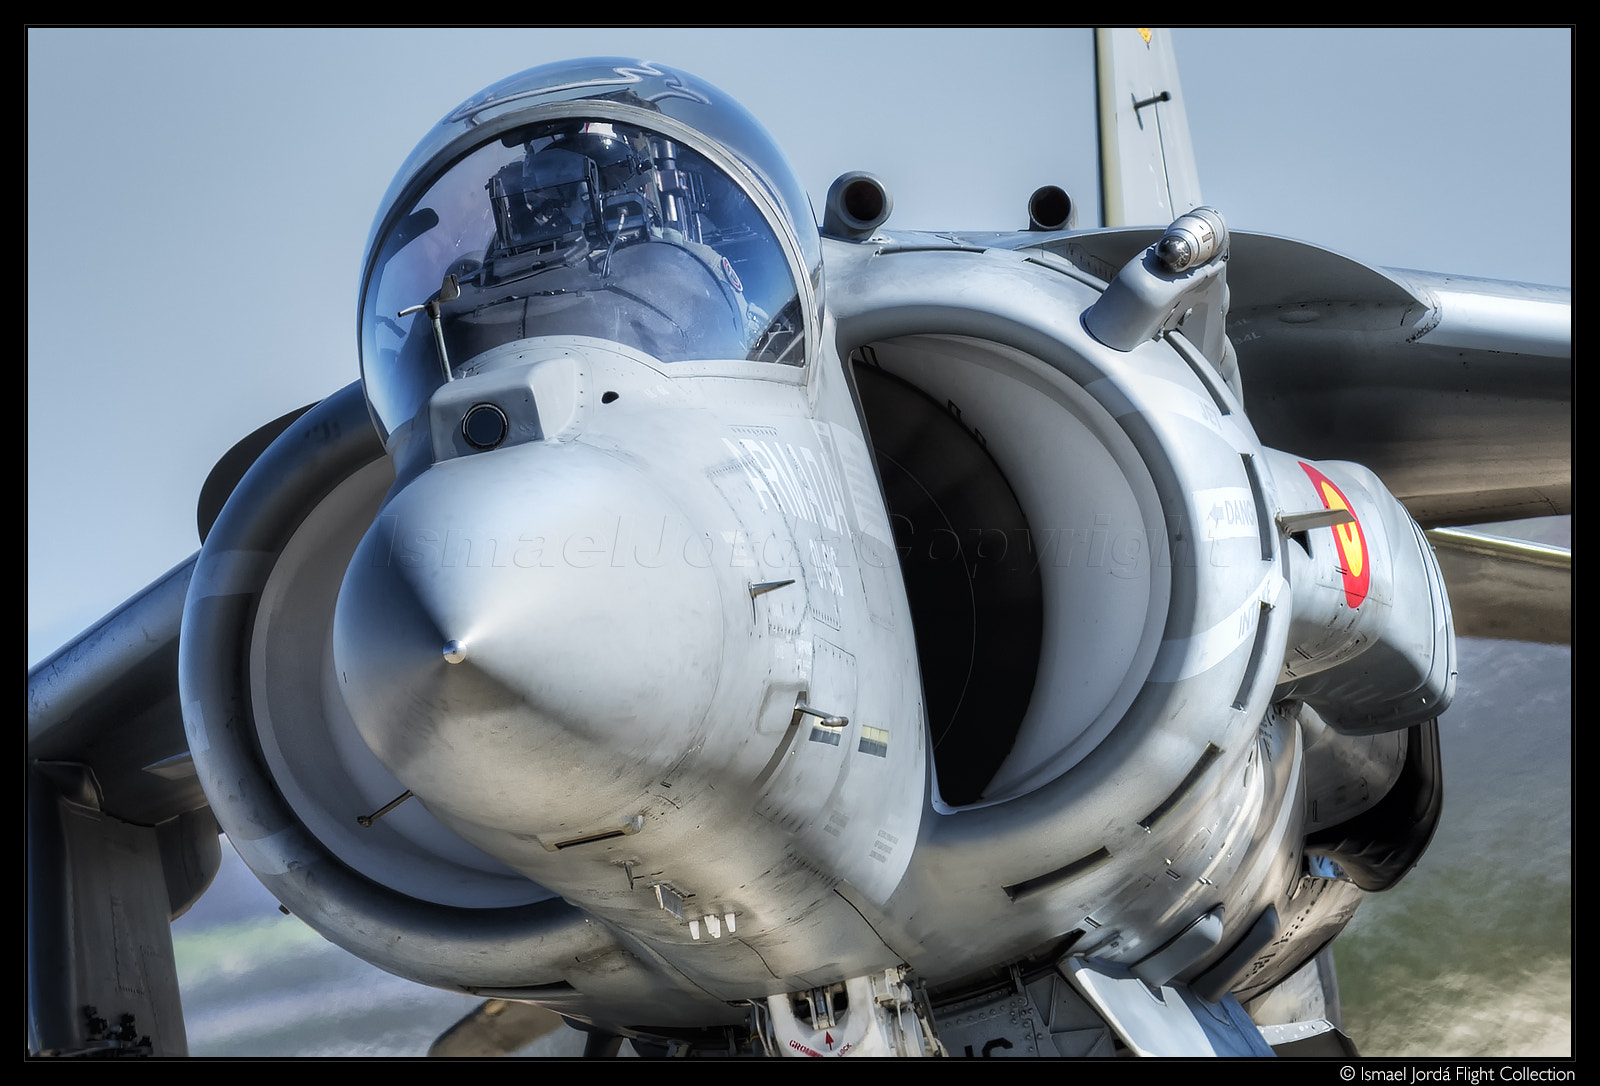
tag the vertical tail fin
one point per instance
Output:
(1147, 169)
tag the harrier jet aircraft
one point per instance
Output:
(736, 632)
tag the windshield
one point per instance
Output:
(575, 227)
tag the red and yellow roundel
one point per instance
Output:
(1351, 541)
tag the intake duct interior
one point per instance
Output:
(1034, 544)
(971, 576)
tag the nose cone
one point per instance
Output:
(529, 631)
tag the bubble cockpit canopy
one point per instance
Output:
(601, 198)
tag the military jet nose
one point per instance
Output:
(527, 630)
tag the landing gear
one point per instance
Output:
(874, 1015)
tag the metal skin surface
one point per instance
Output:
(1189, 438)
(642, 690)
(621, 635)
(567, 650)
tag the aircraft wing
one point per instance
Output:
(1456, 391)
(120, 837)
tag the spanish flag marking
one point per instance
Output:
(1349, 538)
